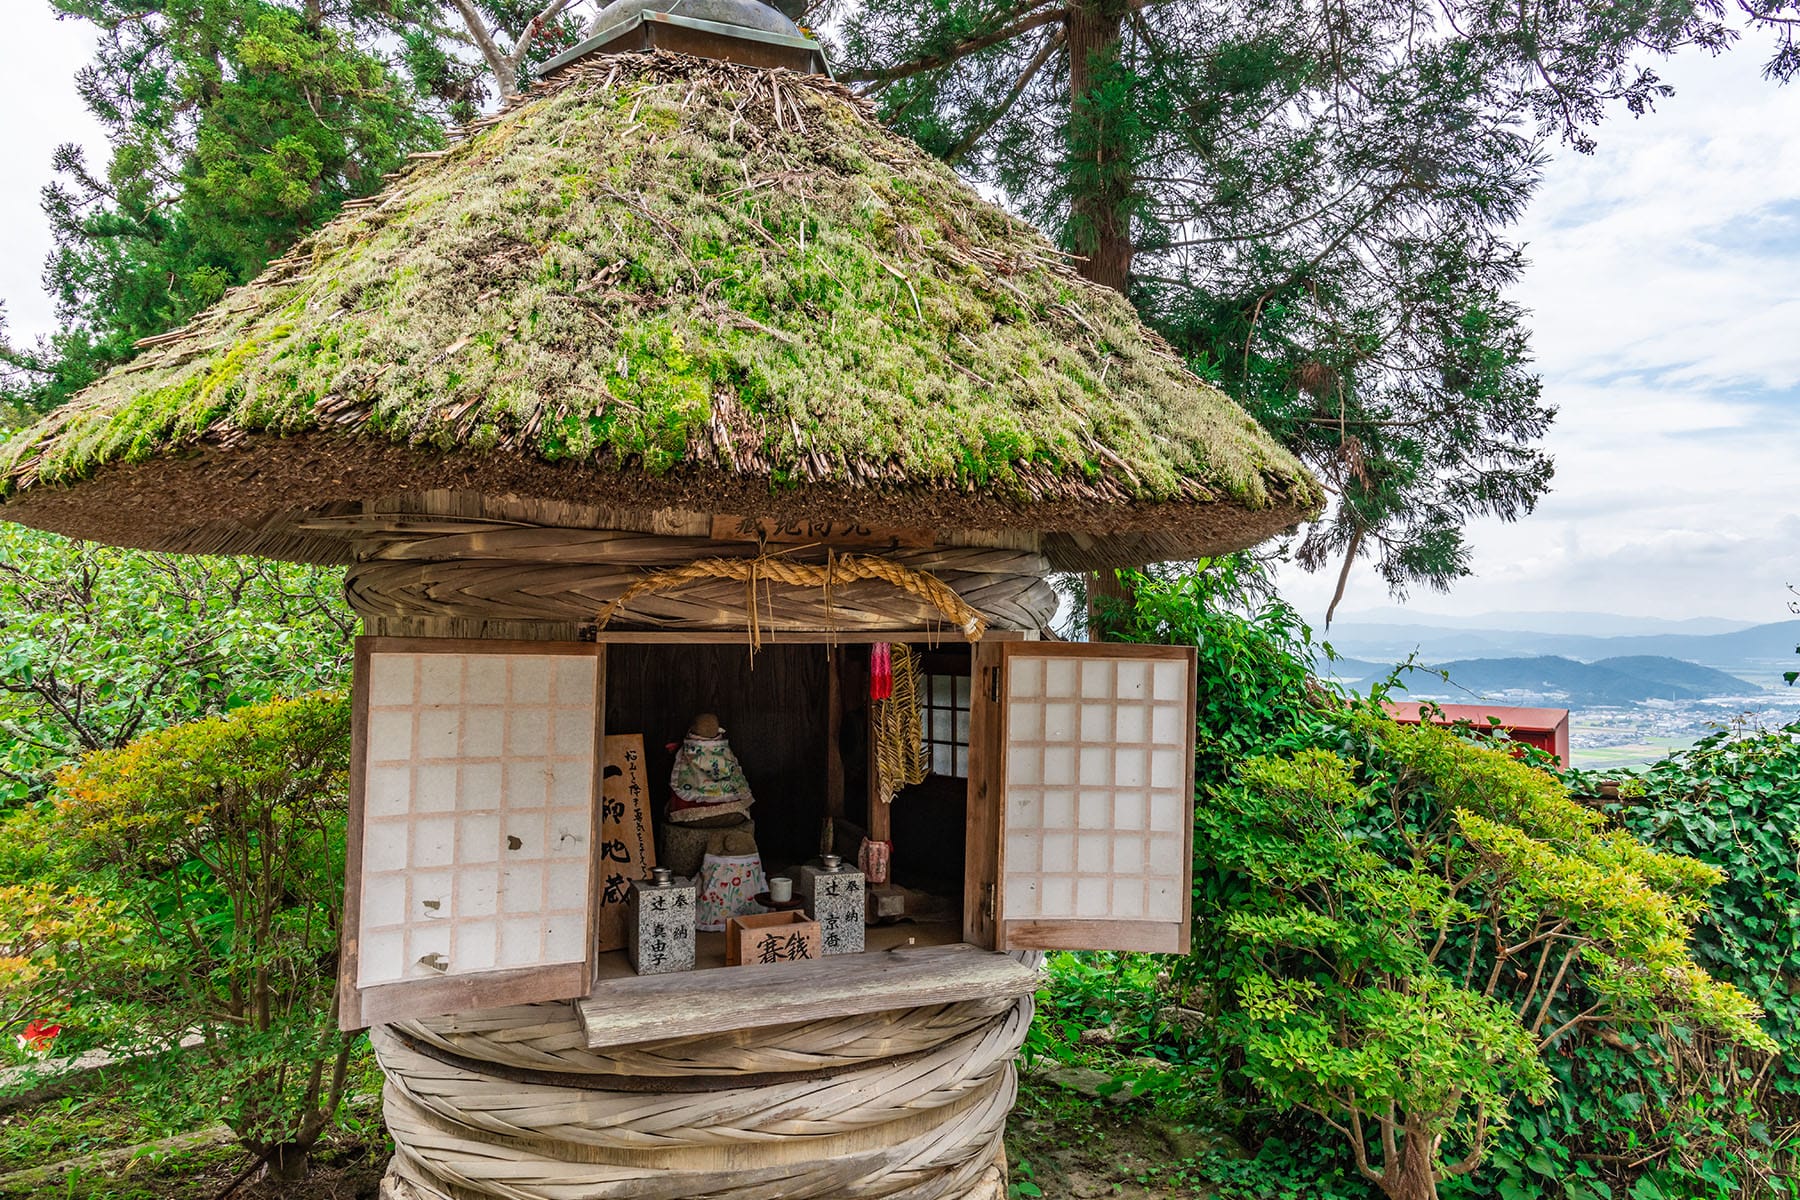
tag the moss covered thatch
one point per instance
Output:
(662, 281)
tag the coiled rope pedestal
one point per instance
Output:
(903, 1105)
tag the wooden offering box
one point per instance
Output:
(772, 938)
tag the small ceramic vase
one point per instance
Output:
(875, 858)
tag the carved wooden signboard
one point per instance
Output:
(819, 533)
(774, 937)
(627, 846)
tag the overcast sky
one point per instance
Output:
(1665, 283)
(1665, 288)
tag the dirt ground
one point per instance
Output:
(343, 1173)
(1068, 1146)
(1075, 1148)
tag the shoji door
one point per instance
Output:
(1089, 757)
(473, 826)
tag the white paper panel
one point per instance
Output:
(1096, 775)
(477, 811)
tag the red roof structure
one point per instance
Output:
(1545, 728)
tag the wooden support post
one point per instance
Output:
(834, 728)
(981, 858)
(881, 817)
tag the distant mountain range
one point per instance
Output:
(1593, 624)
(1608, 682)
(1759, 653)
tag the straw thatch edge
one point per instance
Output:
(203, 501)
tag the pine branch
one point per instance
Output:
(980, 131)
(503, 63)
(484, 41)
(1022, 18)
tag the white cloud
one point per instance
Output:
(1671, 504)
(1673, 248)
(38, 61)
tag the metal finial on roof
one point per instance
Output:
(743, 14)
(743, 31)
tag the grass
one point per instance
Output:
(149, 1102)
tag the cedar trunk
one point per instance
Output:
(1110, 600)
(1100, 216)
(1100, 208)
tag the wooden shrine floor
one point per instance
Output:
(709, 948)
(904, 966)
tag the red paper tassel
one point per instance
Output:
(881, 671)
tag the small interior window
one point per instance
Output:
(946, 702)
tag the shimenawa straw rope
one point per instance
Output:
(768, 569)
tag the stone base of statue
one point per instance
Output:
(682, 848)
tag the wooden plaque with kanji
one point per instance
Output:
(627, 843)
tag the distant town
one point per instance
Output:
(1633, 696)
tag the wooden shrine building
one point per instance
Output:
(678, 356)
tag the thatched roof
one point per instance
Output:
(664, 282)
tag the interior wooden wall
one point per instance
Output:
(773, 709)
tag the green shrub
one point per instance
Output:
(1400, 945)
(1420, 939)
(218, 846)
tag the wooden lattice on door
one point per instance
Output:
(1097, 793)
(473, 819)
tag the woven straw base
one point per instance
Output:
(510, 1105)
(991, 1185)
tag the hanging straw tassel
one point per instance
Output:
(900, 756)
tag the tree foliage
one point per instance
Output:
(1313, 200)
(236, 126)
(99, 645)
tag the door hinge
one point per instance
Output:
(993, 674)
(987, 902)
